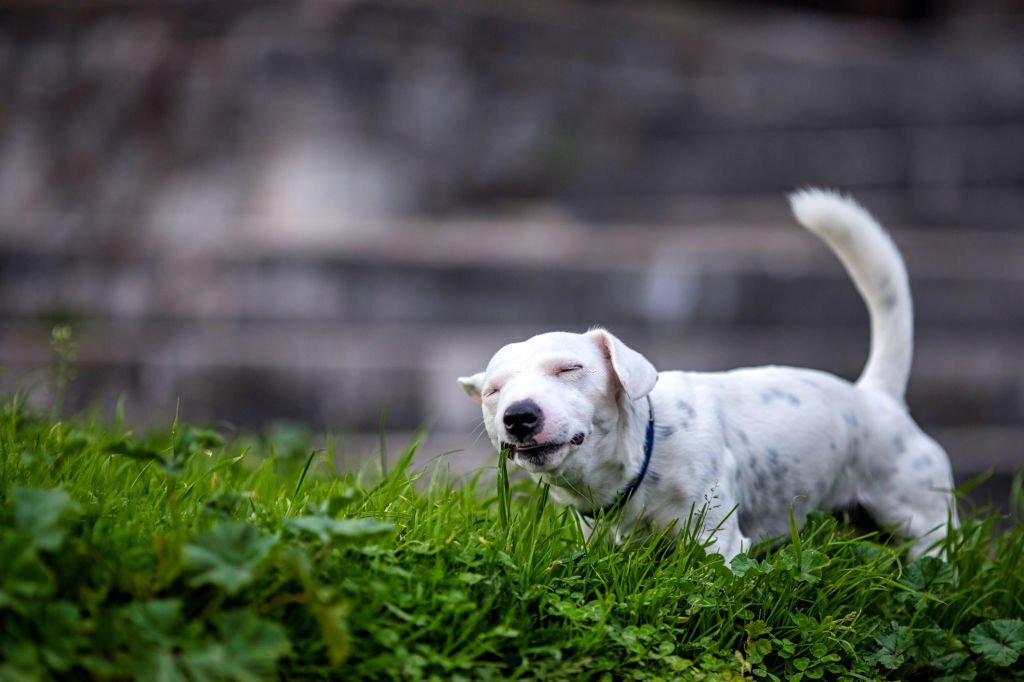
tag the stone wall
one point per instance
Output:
(312, 210)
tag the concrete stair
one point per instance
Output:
(330, 338)
(287, 210)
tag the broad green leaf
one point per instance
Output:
(75, 442)
(248, 649)
(60, 626)
(894, 642)
(344, 530)
(949, 662)
(153, 631)
(224, 504)
(742, 565)
(757, 628)
(334, 504)
(757, 649)
(151, 621)
(288, 440)
(191, 440)
(130, 448)
(23, 575)
(258, 642)
(806, 564)
(929, 644)
(20, 661)
(471, 578)
(927, 575)
(44, 515)
(160, 665)
(228, 555)
(1000, 642)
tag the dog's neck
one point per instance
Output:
(612, 466)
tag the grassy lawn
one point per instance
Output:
(179, 556)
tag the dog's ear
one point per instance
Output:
(473, 385)
(636, 374)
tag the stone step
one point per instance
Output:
(380, 108)
(342, 376)
(525, 274)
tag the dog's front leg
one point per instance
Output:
(716, 524)
(588, 524)
(728, 540)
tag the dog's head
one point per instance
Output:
(556, 398)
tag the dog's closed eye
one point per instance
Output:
(567, 370)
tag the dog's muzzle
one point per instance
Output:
(537, 453)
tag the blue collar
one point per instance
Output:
(623, 497)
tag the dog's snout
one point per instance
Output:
(522, 419)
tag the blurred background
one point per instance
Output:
(312, 211)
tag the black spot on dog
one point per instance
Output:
(778, 488)
(653, 477)
(745, 519)
(665, 430)
(821, 488)
(898, 445)
(887, 293)
(773, 394)
(686, 408)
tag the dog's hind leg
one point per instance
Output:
(915, 497)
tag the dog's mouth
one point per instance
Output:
(536, 453)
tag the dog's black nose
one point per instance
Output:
(523, 419)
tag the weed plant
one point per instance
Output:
(179, 556)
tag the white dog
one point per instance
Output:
(594, 419)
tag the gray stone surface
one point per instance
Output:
(313, 210)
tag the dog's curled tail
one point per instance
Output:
(875, 265)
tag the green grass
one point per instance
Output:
(178, 556)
